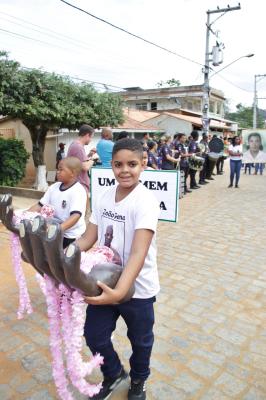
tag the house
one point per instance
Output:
(178, 109)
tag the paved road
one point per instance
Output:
(210, 328)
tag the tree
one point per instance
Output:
(244, 117)
(45, 101)
(170, 83)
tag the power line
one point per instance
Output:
(81, 79)
(132, 34)
(233, 84)
(46, 29)
(29, 38)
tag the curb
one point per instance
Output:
(21, 192)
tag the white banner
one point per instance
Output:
(164, 184)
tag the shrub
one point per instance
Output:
(13, 160)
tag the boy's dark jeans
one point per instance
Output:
(138, 315)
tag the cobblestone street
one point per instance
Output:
(210, 332)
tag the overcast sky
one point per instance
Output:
(49, 34)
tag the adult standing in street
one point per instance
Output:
(184, 155)
(76, 149)
(105, 147)
(193, 148)
(60, 154)
(235, 153)
(168, 160)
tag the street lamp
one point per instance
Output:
(232, 62)
(206, 96)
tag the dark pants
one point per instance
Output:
(235, 167)
(248, 167)
(192, 173)
(138, 315)
(219, 165)
(185, 169)
(203, 172)
(210, 164)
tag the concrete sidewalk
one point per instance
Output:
(210, 333)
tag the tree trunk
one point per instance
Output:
(38, 135)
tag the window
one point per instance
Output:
(141, 106)
(153, 105)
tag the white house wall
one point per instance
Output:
(171, 125)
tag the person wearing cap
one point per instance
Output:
(60, 154)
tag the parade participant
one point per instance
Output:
(152, 156)
(60, 154)
(248, 167)
(235, 153)
(193, 148)
(183, 154)
(254, 153)
(145, 139)
(133, 212)
(76, 149)
(68, 197)
(168, 160)
(105, 147)
(160, 144)
(259, 167)
(204, 154)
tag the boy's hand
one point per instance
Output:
(108, 296)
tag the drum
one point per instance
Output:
(196, 163)
(213, 156)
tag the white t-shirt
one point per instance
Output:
(235, 149)
(67, 202)
(260, 157)
(138, 210)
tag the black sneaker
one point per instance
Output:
(137, 390)
(108, 386)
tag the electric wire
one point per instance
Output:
(132, 34)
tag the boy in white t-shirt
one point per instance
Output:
(125, 220)
(68, 197)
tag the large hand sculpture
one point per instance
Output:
(42, 245)
(7, 213)
(31, 239)
(69, 262)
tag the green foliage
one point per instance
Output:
(46, 101)
(244, 117)
(13, 159)
(169, 83)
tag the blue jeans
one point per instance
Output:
(235, 167)
(259, 167)
(138, 315)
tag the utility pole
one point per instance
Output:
(255, 102)
(206, 70)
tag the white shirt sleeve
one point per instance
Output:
(78, 200)
(148, 213)
(46, 199)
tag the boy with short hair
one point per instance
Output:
(68, 197)
(132, 211)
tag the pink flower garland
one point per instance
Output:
(65, 310)
(73, 318)
(53, 310)
(24, 298)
